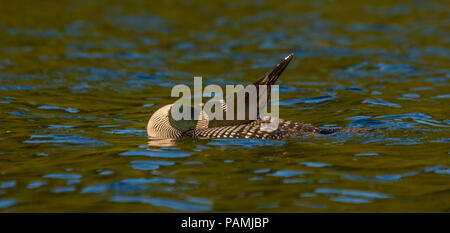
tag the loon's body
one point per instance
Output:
(163, 125)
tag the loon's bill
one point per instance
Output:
(162, 125)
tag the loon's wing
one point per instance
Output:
(263, 96)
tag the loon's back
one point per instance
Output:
(253, 130)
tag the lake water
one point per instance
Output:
(80, 79)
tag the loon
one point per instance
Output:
(162, 126)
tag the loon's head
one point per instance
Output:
(163, 125)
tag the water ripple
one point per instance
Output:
(5, 203)
(65, 138)
(130, 185)
(381, 102)
(309, 100)
(63, 190)
(288, 173)
(406, 115)
(63, 176)
(363, 122)
(126, 131)
(383, 178)
(156, 154)
(160, 202)
(7, 184)
(48, 107)
(351, 200)
(366, 154)
(261, 171)
(36, 184)
(315, 164)
(149, 181)
(443, 96)
(247, 143)
(355, 193)
(398, 141)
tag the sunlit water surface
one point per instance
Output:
(79, 80)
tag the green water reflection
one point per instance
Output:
(79, 80)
